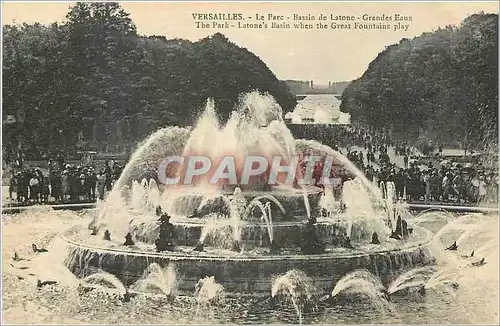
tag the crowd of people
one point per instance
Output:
(383, 160)
(380, 158)
(63, 183)
(441, 181)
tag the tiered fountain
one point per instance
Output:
(246, 235)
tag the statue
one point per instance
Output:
(337, 237)
(165, 239)
(347, 243)
(342, 207)
(128, 240)
(453, 247)
(199, 247)
(401, 231)
(238, 203)
(274, 247)
(311, 245)
(126, 296)
(95, 230)
(404, 229)
(236, 246)
(107, 235)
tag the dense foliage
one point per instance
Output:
(440, 86)
(93, 81)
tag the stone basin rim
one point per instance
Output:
(187, 190)
(298, 257)
(180, 293)
(185, 221)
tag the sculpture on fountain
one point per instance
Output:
(375, 239)
(165, 240)
(347, 243)
(107, 235)
(236, 246)
(402, 231)
(128, 240)
(311, 244)
(199, 247)
(274, 248)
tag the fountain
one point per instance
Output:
(242, 234)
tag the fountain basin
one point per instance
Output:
(247, 272)
(254, 233)
(186, 202)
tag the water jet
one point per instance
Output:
(279, 226)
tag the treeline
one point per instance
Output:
(93, 82)
(440, 86)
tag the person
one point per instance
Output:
(165, 239)
(426, 179)
(457, 185)
(13, 187)
(108, 182)
(65, 185)
(82, 187)
(34, 190)
(447, 185)
(91, 181)
(44, 190)
(55, 185)
(23, 185)
(100, 180)
(481, 188)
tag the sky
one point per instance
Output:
(318, 55)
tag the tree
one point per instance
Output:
(441, 85)
(95, 70)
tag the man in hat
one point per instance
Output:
(165, 239)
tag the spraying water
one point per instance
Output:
(256, 123)
(359, 206)
(272, 199)
(390, 198)
(362, 283)
(256, 127)
(413, 278)
(268, 218)
(218, 231)
(208, 291)
(157, 278)
(297, 287)
(104, 280)
(316, 148)
(238, 206)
